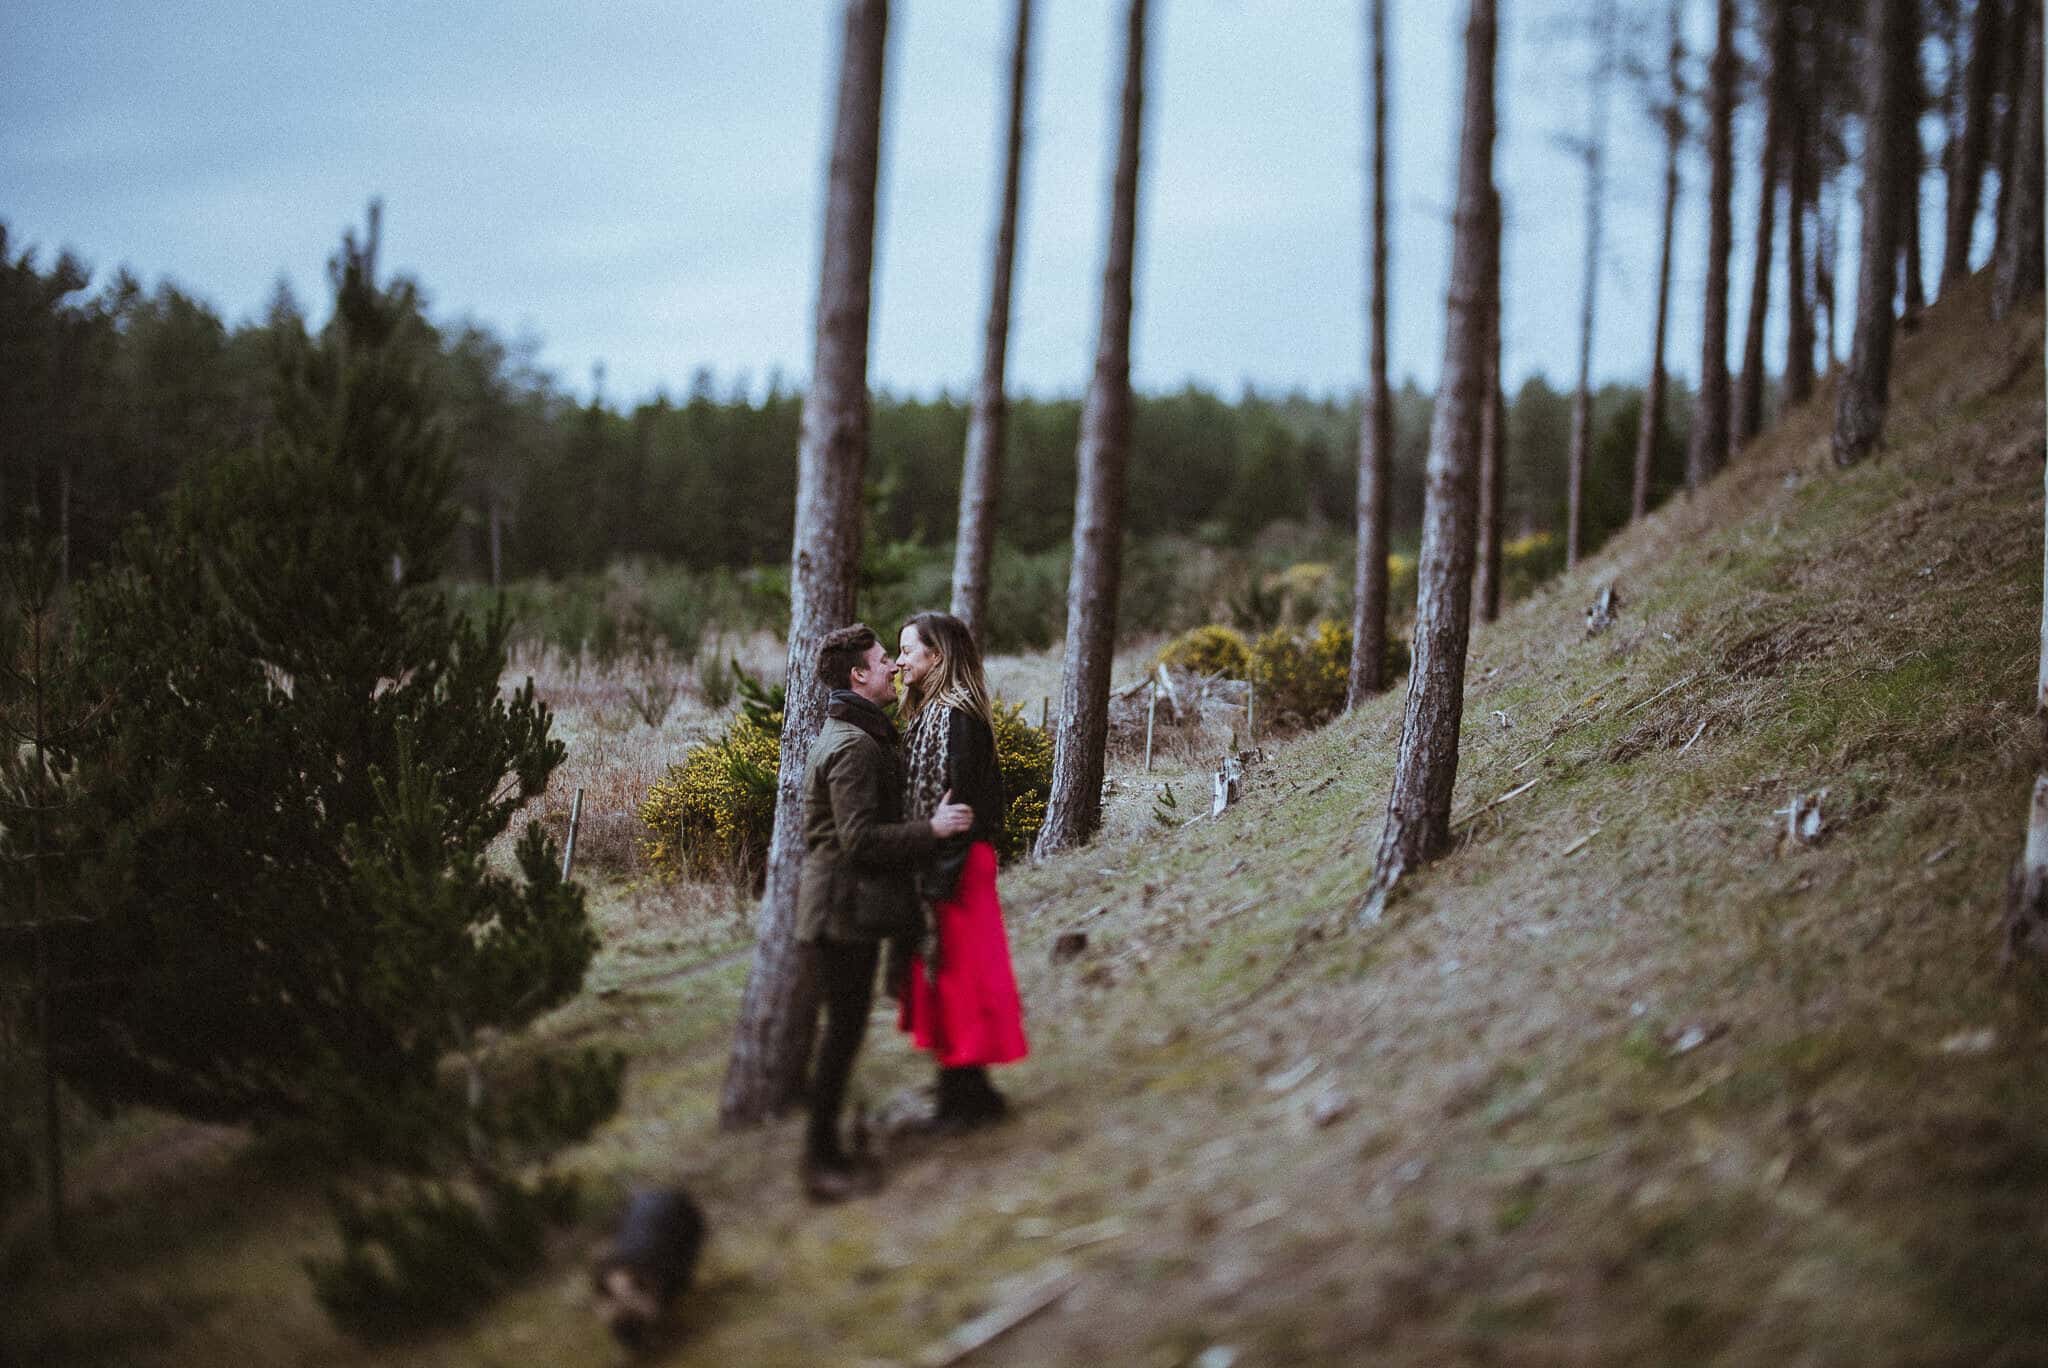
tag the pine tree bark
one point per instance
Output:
(981, 473)
(1799, 180)
(1418, 821)
(1596, 187)
(1074, 809)
(1966, 165)
(1493, 431)
(2020, 246)
(1749, 395)
(1912, 161)
(1890, 36)
(1673, 116)
(778, 1013)
(1376, 417)
(1708, 451)
(2011, 74)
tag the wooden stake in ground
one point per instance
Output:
(1074, 810)
(569, 846)
(981, 473)
(778, 1014)
(1376, 416)
(1890, 34)
(1418, 824)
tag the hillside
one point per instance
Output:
(1627, 1078)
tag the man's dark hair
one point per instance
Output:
(842, 650)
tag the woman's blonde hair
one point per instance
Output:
(957, 680)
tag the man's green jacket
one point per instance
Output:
(860, 857)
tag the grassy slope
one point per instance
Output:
(1851, 1169)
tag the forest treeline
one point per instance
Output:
(114, 394)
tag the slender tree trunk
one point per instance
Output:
(1418, 822)
(64, 519)
(1493, 424)
(1596, 193)
(1912, 162)
(2011, 75)
(1827, 249)
(1074, 809)
(497, 542)
(1709, 449)
(772, 1046)
(1749, 396)
(1673, 113)
(1799, 305)
(981, 476)
(1860, 399)
(1376, 417)
(2019, 256)
(1966, 166)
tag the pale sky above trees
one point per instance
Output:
(640, 184)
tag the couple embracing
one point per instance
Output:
(899, 854)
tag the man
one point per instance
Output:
(859, 886)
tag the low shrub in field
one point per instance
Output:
(715, 813)
(1301, 678)
(1528, 561)
(1209, 650)
(1024, 756)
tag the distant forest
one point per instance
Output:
(109, 397)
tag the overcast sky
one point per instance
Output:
(640, 184)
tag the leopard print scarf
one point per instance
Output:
(929, 733)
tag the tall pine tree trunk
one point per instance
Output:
(1074, 809)
(981, 474)
(1966, 165)
(1673, 115)
(1709, 449)
(2011, 75)
(2020, 239)
(1749, 396)
(1376, 418)
(1418, 822)
(1912, 161)
(1493, 434)
(772, 1046)
(1890, 32)
(1596, 186)
(1800, 107)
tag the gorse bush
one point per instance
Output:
(1209, 650)
(1301, 677)
(1024, 757)
(714, 814)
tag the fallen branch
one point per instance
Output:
(1483, 808)
(1676, 684)
(1059, 1280)
(1576, 846)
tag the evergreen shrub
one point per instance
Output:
(429, 1253)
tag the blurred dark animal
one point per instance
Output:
(650, 1262)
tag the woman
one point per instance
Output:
(964, 1007)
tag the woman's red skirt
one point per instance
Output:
(969, 1013)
